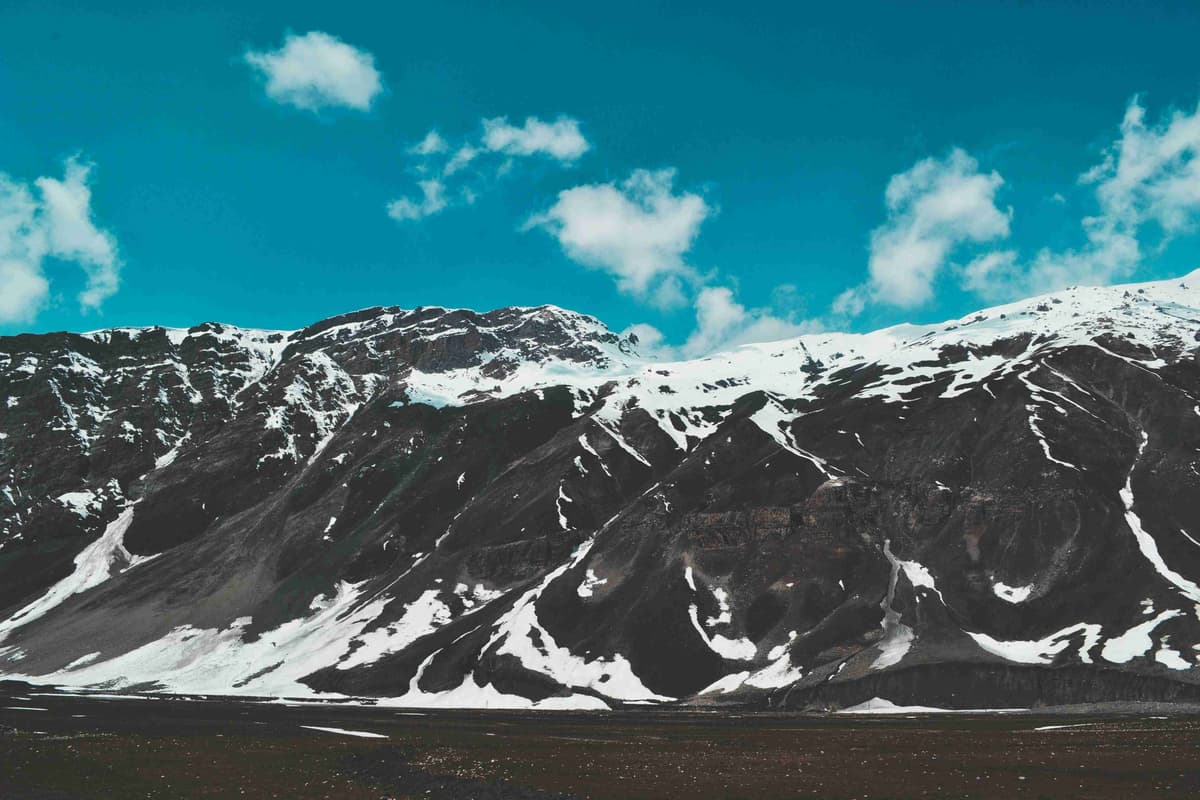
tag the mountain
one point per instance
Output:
(440, 507)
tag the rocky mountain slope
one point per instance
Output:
(439, 507)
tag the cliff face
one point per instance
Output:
(439, 507)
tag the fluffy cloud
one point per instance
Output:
(933, 208)
(316, 71)
(1146, 188)
(23, 287)
(1149, 178)
(72, 236)
(433, 200)
(499, 145)
(722, 322)
(23, 290)
(638, 231)
(992, 274)
(55, 222)
(560, 139)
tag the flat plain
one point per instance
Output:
(62, 746)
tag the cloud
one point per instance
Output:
(722, 322)
(23, 290)
(649, 341)
(933, 208)
(1146, 188)
(560, 139)
(990, 274)
(638, 231)
(433, 200)
(461, 158)
(317, 71)
(1149, 177)
(23, 287)
(72, 236)
(850, 303)
(432, 144)
(56, 222)
(498, 146)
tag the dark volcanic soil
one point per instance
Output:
(76, 747)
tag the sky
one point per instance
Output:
(702, 174)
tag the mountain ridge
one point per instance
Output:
(514, 507)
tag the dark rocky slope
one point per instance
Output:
(440, 507)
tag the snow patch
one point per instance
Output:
(345, 732)
(1041, 651)
(1136, 641)
(94, 565)
(1012, 594)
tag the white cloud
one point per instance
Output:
(722, 322)
(23, 290)
(1150, 176)
(933, 208)
(638, 231)
(316, 71)
(57, 223)
(461, 158)
(495, 151)
(851, 302)
(433, 200)
(1147, 191)
(991, 274)
(560, 139)
(72, 236)
(23, 286)
(432, 144)
(649, 341)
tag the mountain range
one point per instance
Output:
(438, 507)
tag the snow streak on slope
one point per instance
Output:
(897, 637)
(219, 662)
(93, 566)
(731, 649)
(1146, 543)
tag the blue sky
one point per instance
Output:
(720, 172)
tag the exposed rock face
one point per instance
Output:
(439, 507)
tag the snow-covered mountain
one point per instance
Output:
(440, 507)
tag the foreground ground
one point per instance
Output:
(74, 747)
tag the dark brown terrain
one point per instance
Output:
(157, 748)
